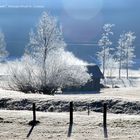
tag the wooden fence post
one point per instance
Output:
(71, 113)
(104, 115)
(88, 109)
(34, 121)
(105, 120)
(34, 113)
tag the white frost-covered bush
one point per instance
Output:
(23, 75)
(63, 70)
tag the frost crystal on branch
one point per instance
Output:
(104, 44)
(48, 37)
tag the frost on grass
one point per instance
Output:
(55, 126)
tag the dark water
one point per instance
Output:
(81, 36)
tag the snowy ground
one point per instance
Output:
(55, 126)
(127, 94)
(121, 100)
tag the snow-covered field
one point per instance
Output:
(123, 118)
(55, 126)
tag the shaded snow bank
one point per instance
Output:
(118, 100)
(114, 106)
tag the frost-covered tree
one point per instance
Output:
(120, 52)
(46, 65)
(129, 51)
(3, 52)
(125, 51)
(104, 44)
(47, 37)
(111, 65)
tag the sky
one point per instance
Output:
(81, 4)
(81, 20)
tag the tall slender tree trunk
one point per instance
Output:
(120, 67)
(44, 62)
(104, 62)
(127, 64)
(119, 73)
(120, 62)
(46, 43)
(127, 74)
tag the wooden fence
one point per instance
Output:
(35, 122)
